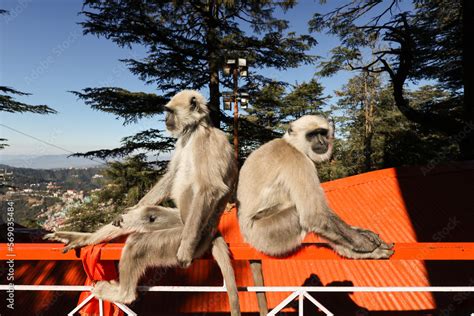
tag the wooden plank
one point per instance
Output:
(320, 251)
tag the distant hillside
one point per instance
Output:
(68, 178)
(47, 161)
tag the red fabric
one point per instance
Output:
(97, 270)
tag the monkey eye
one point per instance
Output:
(316, 132)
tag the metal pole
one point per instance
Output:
(236, 115)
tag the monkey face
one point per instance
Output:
(319, 140)
(170, 119)
(313, 135)
(185, 109)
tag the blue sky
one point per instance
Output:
(43, 52)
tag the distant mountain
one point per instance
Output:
(47, 161)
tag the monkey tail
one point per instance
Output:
(220, 252)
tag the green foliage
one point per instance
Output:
(131, 106)
(125, 184)
(273, 109)
(88, 217)
(151, 140)
(2, 144)
(8, 104)
(395, 140)
(437, 25)
(186, 39)
(305, 99)
(339, 60)
(187, 43)
(424, 43)
(266, 107)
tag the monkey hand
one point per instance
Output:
(184, 256)
(71, 240)
(118, 221)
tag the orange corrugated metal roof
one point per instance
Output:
(403, 205)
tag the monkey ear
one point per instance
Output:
(193, 103)
(290, 129)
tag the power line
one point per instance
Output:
(48, 143)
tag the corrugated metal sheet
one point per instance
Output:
(403, 205)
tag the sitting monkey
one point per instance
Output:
(280, 199)
(200, 180)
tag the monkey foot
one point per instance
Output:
(71, 239)
(378, 253)
(111, 291)
(375, 242)
(56, 237)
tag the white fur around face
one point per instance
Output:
(297, 136)
(181, 106)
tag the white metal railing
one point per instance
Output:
(300, 292)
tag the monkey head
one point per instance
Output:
(313, 135)
(184, 111)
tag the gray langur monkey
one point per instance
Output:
(280, 198)
(201, 178)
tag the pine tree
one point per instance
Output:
(394, 140)
(274, 107)
(428, 42)
(125, 183)
(305, 99)
(10, 105)
(187, 43)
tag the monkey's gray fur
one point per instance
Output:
(200, 180)
(280, 198)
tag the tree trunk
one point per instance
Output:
(214, 94)
(213, 61)
(467, 142)
(399, 76)
(369, 121)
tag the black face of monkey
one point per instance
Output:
(319, 140)
(170, 119)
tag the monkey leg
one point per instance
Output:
(276, 234)
(66, 236)
(257, 274)
(108, 232)
(349, 241)
(142, 250)
(140, 219)
(75, 240)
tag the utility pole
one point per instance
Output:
(235, 67)
(236, 113)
